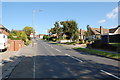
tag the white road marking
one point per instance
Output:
(74, 57)
(49, 51)
(57, 50)
(110, 74)
(52, 47)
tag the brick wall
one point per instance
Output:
(15, 45)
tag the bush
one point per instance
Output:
(45, 37)
(81, 41)
(53, 39)
(70, 43)
(118, 49)
(99, 45)
(28, 42)
(86, 41)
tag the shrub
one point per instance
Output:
(45, 37)
(28, 42)
(81, 41)
(54, 39)
(99, 45)
(118, 49)
(86, 41)
(70, 43)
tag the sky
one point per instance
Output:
(17, 15)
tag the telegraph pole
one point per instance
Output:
(33, 21)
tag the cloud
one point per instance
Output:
(102, 21)
(115, 10)
(113, 13)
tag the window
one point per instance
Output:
(3, 36)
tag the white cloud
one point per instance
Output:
(113, 13)
(115, 10)
(102, 21)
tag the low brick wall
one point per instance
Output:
(15, 45)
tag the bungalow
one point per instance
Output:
(4, 30)
(115, 30)
(112, 36)
(97, 32)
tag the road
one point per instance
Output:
(46, 60)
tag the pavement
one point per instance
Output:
(10, 59)
(77, 45)
(47, 61)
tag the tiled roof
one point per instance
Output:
(41, 34)
(1, 26)
(115, 30)
(105, 31)
(97, 30)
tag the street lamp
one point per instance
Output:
(33, 20)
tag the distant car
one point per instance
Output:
(3, 42)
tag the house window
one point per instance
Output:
(3, 36)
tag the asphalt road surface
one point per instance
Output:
(47, 60)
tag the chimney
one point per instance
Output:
(80, 32)
(101, 30)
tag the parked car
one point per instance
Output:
(3, 42)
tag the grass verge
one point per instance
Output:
(115, 44)
(102, 53)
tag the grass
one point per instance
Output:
(102, 53)
(60, 44)
(70, 43)
(115, 44)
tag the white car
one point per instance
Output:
(3, 42)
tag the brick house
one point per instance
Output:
(4, 30)
(40, 36)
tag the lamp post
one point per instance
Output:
(33, 21)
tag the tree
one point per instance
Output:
(70, 29)
(18, 35)
(28, 30)
(45, 37)
(88, 33)
(56, 30)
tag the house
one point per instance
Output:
(113, 36)
(4, 30)
(40, 36)
(82, 34)
(97, 32)
(115, 30)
